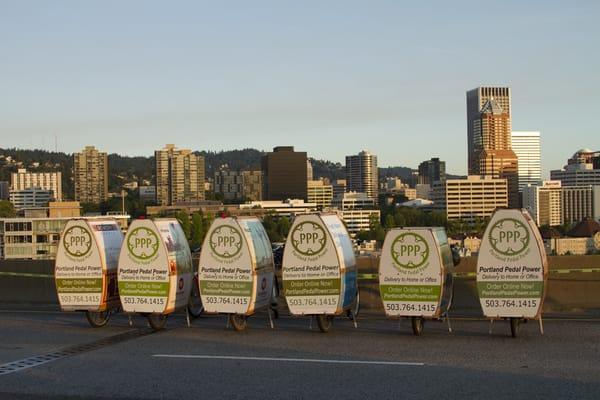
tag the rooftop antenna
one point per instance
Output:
(55, 143)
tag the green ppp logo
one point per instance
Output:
(77, 241)
(226, 241)
(142, 243)
(509, 237)
(309, 238)
(410, 250)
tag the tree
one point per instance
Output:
(390, 222)
(197, 235)
(184, 220)
(7, 210)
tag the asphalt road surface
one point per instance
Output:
(64, 358)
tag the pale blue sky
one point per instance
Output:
(329, 77)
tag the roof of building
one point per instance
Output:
(586, 228)
(491, 107)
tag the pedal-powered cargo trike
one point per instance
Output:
(235, 271)
(512, 269)
(415, 275)
(86, 268)
(319, 269)
(155, 270)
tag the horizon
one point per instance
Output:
(328, 80)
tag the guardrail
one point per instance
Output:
(573, 285)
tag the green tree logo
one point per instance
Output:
(77, 241)
(309, 238)
(143, 243)
(410, 250)
(226, 241)
(509, 237)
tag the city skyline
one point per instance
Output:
(215, 77)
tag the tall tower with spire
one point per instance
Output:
(489, 137)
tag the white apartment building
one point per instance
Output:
(36, 238)
(357, 220)
(353, 200)
(287, 208)
(526, 145)
(319, 193)
(580, 202)
(544, 202)
(577, 175)
(473, 197)
(31, 198)
(22, 180)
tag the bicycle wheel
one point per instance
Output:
(157, 321)
(417, 325)
(238, 321)
(195, 307)
(325, 322)
(515, 326)
(97, 319)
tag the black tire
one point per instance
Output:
(514, 326)
(195, 307)
(325, 322)
(238, 321)
(157, 321)
(352, 313)
(417, 325)
(97, 319)
(275, 299)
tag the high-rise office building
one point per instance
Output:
(470, 198)
(320, 193)
(4, 190)
(431, 171)
(22, 180)
(90, 173)
(526, 146)
(252, 185)
(229, 183)
(580, 202)
(583, 168)
(285, 174)
(362, 174)
(179, 176)
(544, 202)
(339, 187)
(489, 137)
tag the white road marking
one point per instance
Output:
(283, 359)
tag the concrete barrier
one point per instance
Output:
(573, 286)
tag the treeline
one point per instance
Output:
(397, 217)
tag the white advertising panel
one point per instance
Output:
(311, 268)
(225, 272)
(410, 273)
(144, 269)
(511, 266)
(79, 273)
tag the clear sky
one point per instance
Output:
(329, 77)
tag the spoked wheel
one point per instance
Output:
(352, 313)
(325, 322)
(157, 321)
(195, 307)
(515, 326)
(417, 325)
(97, 319)
(238, 321)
